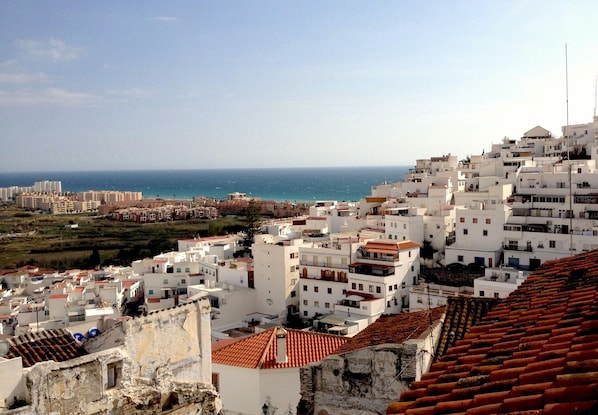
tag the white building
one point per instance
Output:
(479, 235)
(276, 275)
(323, 275)
(499, 282)
(259, 374)
(384, 269)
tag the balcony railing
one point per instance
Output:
(518, 248)
(372, 269)
(378, 257)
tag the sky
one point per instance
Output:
(129, 85)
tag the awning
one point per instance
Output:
(354, 298)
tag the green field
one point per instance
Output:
(76, 241)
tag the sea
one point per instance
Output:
(279, 184)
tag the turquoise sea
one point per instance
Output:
(280, 184)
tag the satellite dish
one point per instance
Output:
(79, 337)
(93, 332)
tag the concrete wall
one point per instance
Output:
(12, 382)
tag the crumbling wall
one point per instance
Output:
(364, 381)
(163, 365)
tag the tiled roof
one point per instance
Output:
(58, 345)
(258, 351)
(535, 352)
(461, 314)
(395, 328)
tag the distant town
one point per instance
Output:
(396, 303)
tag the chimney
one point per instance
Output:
(281, 345)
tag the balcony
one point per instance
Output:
(512, 247)
(372, 269)
(374, 256)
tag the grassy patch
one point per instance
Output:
(49, 241)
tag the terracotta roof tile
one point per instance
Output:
(58, 345)
(393, 329)
(259, 350)
(533, 352)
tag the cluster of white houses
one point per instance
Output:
(346, 264)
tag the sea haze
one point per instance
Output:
(280, 184)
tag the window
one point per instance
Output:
(293, 293)
(481, 293)
(552, 244)
(304, 302)
(114, 373)
(165, 281)
(488, 221)
(216, 381)
(183, 281)
(396, 287)
(475, 220)
(412, 268)
(353, 286)
(378, 290)
(465, 231)
(305, 314)
(460, 258)
(329, 290)
(495, 295)
(294, 255)
(462, 220)
(485, 232)
(420, 300)
(316, 304)
(316, 289)
(390, 288)
(151, 292)
(326, 305)
(403, 285)
(360, 287)
(304, 287)
(371, 288)
(178, 270)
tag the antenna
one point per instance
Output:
(595, 94)
(570, 213)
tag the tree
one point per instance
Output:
(253, 223)
(94, 258)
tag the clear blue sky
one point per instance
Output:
(92, 85)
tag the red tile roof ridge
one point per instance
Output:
(259, 350)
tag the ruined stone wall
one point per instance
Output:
(172, 344)
(364, 381)
(163, 366)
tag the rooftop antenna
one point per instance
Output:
(595, 94)
(570, 213)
